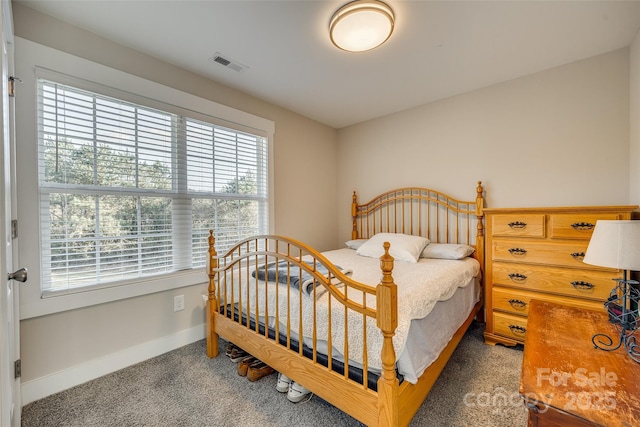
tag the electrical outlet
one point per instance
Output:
(178, 303)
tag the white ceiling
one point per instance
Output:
(438, 48)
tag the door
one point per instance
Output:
(10, 402)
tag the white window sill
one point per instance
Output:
(73, 300)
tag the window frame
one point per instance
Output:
(43, 62)
(202, 158)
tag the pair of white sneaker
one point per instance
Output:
(295, 392)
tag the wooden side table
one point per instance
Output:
(565, 381)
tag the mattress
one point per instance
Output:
(430, 335)
(434, 299)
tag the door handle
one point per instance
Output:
(20, 275)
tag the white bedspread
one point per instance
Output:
(420, 287)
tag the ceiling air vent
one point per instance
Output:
(229, 63)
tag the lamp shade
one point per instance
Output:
(361, 25)
(615, 244)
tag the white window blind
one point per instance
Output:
(128, 191)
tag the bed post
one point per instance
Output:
(212, 303)
(354, 214)
(480, 249)
(387, 321)
(480, 226)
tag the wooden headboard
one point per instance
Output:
(422, 212)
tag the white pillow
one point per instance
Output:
(446, 251)
(355, 244)
(403, 246)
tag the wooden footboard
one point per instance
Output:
(272, 277)
(237, 313)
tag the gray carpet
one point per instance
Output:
(478, 387)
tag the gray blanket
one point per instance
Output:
(296, 277)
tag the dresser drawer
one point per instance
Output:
(565, 254)
(593, 285)
(575, 226)
(518, 301)
(514, 327)
(518, 225)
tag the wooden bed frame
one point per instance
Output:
(416, 211)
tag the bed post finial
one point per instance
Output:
(387, 321)
(354, 214)
(212, 303)
(213, 262)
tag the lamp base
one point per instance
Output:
(626, 340)
(623, 313)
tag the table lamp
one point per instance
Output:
(616, 244)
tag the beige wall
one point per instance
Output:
(56, 342)
(558, 137)
(634, 121)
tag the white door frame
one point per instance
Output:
(10, 393)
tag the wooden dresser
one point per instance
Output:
(537, 253)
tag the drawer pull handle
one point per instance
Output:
(582, 286)
(517, 277)
(517, 251)
(582, 226)
(516, 303)
(517, 224)
(517, 330)
(578, 255)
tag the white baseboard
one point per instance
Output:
(50, 384)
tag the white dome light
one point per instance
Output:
(361, 25)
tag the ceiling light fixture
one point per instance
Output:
(361, 25)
